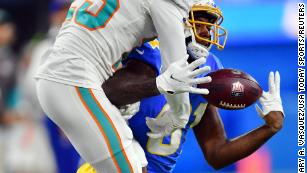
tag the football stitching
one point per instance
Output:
(231, 106)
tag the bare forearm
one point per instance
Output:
(219, 151)
(245, 145)
(131, 84)
(241, 147)
(122, 92)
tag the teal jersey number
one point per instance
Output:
(92, 14)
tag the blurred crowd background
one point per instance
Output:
(262, 37)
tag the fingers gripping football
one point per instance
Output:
(181, 76)
(271, 100)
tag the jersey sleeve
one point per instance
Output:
(148, 53)
(214, 62)
(168, 22)
(167, 18)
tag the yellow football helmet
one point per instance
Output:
(207, 9)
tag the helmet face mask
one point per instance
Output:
(214, 18)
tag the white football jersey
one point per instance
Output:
(96, 33)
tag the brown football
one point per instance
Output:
(232, 89)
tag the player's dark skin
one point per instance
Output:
(123, 88)
(137, 81)
(218, 150)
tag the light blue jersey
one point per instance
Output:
(163, 153)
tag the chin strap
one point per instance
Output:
(195, 50)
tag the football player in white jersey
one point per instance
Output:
(91, 41)
(162, 153)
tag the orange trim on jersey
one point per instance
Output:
(104, 3)
(105, 23)
(100, 128)
(72, 16)
(107, 115)
(116, 9)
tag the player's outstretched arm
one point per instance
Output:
(219, 151)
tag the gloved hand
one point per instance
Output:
(164, 124)
(174, 116)
(271, 101)
(179, 78)
(128, 111)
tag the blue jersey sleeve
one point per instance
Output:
(148, 53)
(214, 62)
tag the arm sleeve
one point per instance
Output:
(168, 22)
